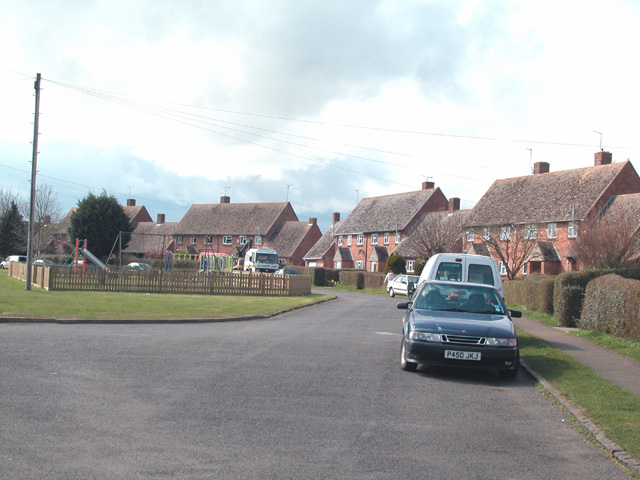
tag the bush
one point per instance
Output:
(397, 264)
(374, 280)
(319, 277)
(611, 306)
(534, 292)
(353, 278)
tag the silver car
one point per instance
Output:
(402, 285)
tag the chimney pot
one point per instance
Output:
(428, 185)
(160, 218)
(540, 167)
(336, 217)
(131, 202)
(602, 158)
(454, 204)
(313, 221)
(225, 199)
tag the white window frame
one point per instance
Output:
(359, 264)
(194, 240)
(340, 240)
(552, 230)
(207, 240)
(525, 268)
(410, 265)
(374, 239)
(227, 240)
(349, 240)
(257, 240)
(398, 237)
(386, 238)
(373, 267)
(470, 234)
(503, 268)
(180, 240)
(486, 233)
(505, 233)
(360, 239)
(530, 231)
(572, 229)
(242, 239)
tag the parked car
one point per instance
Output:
(463, 267)
(137, 266)
(402, 285)
(459, 325)
(42, 261)
(287, 271)
(12, 258)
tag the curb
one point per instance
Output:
(615, 450)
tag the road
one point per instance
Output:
(314, 393)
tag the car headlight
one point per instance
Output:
(425, 336)
(502, 342)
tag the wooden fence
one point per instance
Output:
(155, 281)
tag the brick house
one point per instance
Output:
(136, 213)
(293, 239)
(549, 208)
(377, 225)
(324, 250)
(225, 226)
(151, 237)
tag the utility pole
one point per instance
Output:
(34, 171)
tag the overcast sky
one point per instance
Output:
(321, 102)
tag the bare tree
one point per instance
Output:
(47, 210)
(437, 232)
(7, 197)
(608, 240)
(510, 244)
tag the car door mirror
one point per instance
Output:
(404, 305)
(515, 313)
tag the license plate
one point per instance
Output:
(457, 355)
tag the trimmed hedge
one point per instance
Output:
(570, 288)
(611, 306)
(353, 278)
(534, 292)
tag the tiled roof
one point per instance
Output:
(230, 218)
(627, 205)
(288, 237)
(62, 227)
(479, 249)
(343, 254)
(544, 252)
(322, 245)
(137, 211)
(547, 197)
(409, 246)
(149, 236)
(379, 254)
(384, 213)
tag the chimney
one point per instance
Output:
(313, 221)
(336, 218)
(602, 158)
(131, 202)
(454, 204)
(225, 199)
(540, 167)
(427, 185)
(160, 219)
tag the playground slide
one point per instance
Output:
(93, 259)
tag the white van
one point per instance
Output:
(463, 267)
(12, 258)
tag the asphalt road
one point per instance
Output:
(315, 393)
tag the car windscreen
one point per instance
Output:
(458, 298)
(266, 258)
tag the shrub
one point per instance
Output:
(397, 264)
(319, 277)
(534, 292)
(353, 278)
(611, 306)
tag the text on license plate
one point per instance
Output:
(457, 355)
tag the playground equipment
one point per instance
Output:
(81, 247)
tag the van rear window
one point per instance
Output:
(480, 274)
(449, 271)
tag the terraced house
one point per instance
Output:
(549, 207)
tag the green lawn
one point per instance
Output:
(16, 301)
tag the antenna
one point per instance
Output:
(130, 187)
(599, 133)
(530, 159)
(357, 196)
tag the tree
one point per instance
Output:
(437, 232)
(99, 220)
(7, 197)
(510, 244)
(607, 240)
(47, 210)
(397, 264)
(13, 232)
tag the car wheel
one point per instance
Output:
(406, 366)
(392, 293)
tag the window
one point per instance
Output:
(450, 271)
(207, 241)
(258, 240)
(180, 240)
(359, 264)
(193, 240)
(480, 274)
(374, 239)
(398, 237)
(530, 231)
(505, 233)
(524, 268)
(470, 235)
(386, 238)
(360, 239)
(374, 267)
(339, 240)
(410, 266)
(486, 233)
(503, 269)
(349, 240)
(551, 230)
(227, 240)
(338, 265)
(242, 239)
(573, 229)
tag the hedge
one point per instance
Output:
(534, 292)
(611, 306)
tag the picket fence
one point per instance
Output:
(183, 282)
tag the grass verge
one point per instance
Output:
(628, 348)
(613, 409)
(16, 301)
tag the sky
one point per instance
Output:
(320, 103)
